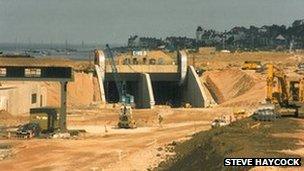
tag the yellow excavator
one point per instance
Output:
(283, 98)
(252, 65)
(277, 86)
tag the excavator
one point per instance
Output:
(126, 100)
(252, 65)
(284, 97)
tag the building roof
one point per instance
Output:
(280, 37)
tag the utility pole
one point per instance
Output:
(291, 45)
(29, 43)
(16, 43)
(224, 40)
(66, 47)
(42, 47)
(66, 44)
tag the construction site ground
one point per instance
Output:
(245, 138)
(116, 149)
(104, 147)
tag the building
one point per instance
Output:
(17, 98)
(280, 40)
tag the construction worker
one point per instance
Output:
(106, 130)
(160, 120)
(9, 135)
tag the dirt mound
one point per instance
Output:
(250, 99)
(7, 119)
(207, 150)
(214, 90)
(227, 84)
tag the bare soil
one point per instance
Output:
(245, 138)
(116, 149)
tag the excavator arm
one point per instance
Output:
(277, 90)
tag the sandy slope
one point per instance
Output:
(83, 91)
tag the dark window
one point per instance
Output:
(34, 98)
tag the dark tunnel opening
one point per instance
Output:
(111, 91)
(167, 93)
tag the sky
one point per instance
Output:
(113, 21)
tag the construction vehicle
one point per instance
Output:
(252, 65)
(126, 100)
(199, 71)
(219, 122)
(46, 117)
(28, 130)
(266, 112)
(239, 113)
(283, 98)
(43, 120)
(300, 69)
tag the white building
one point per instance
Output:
(17, 98)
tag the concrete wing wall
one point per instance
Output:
(145, 92)
(182, 65)
(193, 91)
(100, 78)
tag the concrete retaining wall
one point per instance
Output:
(182, 66)
(145, 92)
(100, 78)
(193, 91)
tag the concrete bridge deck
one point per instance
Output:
(144, 69)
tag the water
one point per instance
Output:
(45, 51)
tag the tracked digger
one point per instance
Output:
(283, 97)
(126, 100)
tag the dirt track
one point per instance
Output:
(114, 150)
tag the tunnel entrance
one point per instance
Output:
(111, 92)
(167, 93)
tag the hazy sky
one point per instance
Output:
(113, 21)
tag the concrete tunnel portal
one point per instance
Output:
(165, 92)
(151, 85)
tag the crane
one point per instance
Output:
(126, 100)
